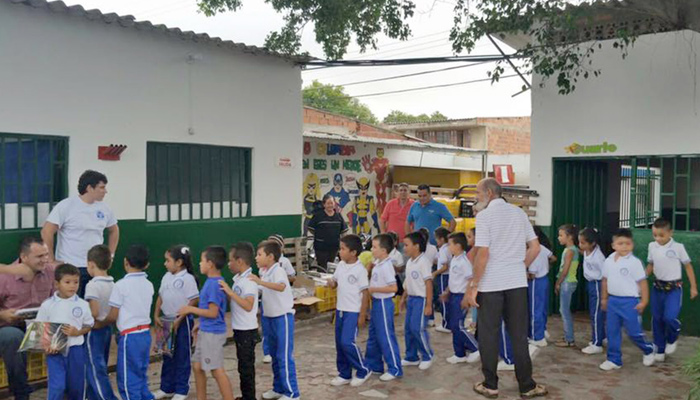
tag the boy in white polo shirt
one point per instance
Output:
(244, 314)
(418, 299)
(350, 278)
(665, 259)
(624, 281)
(278, 307)
(67, 372)
(131, 309)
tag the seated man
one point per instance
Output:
(24, 285)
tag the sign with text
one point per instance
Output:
(603, 148)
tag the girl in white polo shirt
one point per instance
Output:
(178, 288)
(350, 278)
(538, 290)
(593, 261)
(418, 299)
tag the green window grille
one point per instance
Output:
(33, 178)
(197, 182)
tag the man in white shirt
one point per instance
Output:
(505, 245)
(80, 222)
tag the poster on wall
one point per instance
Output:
(356, 177)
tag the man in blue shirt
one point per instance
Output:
(428, 213)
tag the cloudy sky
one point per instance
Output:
(430, 27)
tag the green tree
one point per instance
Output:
(399, 117)
(333, 99)
(556, 27)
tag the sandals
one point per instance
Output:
(537, 391)
(484, 391)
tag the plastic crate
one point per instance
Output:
(396, 300)
(328, 298)
(453, 205)
(3, 375)
(466, 209)
(36, 369)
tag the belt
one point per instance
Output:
(134, 329)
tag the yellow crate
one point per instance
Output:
(36, 369)
(328, 297)
(396, 301)
(453, 205)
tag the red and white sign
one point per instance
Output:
(284, 162)
(504, 174)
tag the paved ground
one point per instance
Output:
(568, 373)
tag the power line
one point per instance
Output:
(410, 61)
(432, 87)
(397, 42)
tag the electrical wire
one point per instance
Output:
(432, 87)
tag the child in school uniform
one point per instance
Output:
(441, 276)
(99, 339)
(178, 288)
(538, 291)
(381, 342)
(417, 299)
(397, 259)
(593, 261)
(567, 281)
(67, 372)
(431, 253)
(460, 274)
(244, 314)
(131, 301)
(291, 276)
(211, 338)
(350, 278)
(278, 303)
(664, 259)
(625, 295)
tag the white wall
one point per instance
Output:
(520, 163)
(101, 84)
(647, 104)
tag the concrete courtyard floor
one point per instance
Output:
(567, 373)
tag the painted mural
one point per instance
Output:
(356, 176)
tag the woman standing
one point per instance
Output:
(327, 226)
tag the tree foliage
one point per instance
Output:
(399, 117)
(333, 99)
(564, 33)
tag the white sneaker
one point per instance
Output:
(671, 348)
(425, 365)
(267, 359)
(441, 329)
(648, 359)
(180, 397)
(608, 366)
(359, 381)
(431, 322)
(406, 363)
(271, 395)
(456, 360)
(532, 349)
(289, 398)
(592, 349)
(338, 381)
(502, 366)
(386, 377)
(539, 343)
(473, 357)
(660, 357)
(159, 394)
(546, 335)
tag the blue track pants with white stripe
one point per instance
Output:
(97, 343)
(67, 374)
(382, 342)
(348, 354)
(416, 330)
(281, 336)
(597, 313)
(133, 351)
(175, 375)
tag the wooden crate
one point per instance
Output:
(295, 251)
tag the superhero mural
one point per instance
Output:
(357, 177)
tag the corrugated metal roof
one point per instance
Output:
(129, 21)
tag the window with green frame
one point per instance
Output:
(196, 182)
(33, 178)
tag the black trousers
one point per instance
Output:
(511, 306)
(245, 352)
(324, 256)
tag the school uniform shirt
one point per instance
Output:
(287, 266)
(418, 270)
(276, 303)
(540, 265)
(461, 271)
(212, 294)
(431, 253)
(100, 289)
(242, 320)
(623, 275)
(132, 295)
(351, 280)
(444, 258)
(73, 311)
(396, 259)
(383, 275)
(176, 291)
(80, 226)
(667, 260)
(593, 265)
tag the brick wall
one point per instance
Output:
(507, 135)
(313, 116)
